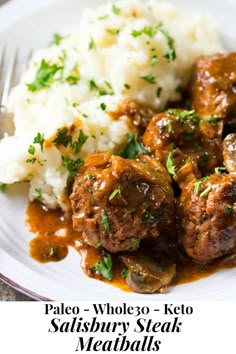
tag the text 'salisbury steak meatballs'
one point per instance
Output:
(213, 86)
(207, 214)
(117, 202)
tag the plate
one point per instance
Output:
(32, 28)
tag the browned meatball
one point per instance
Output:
(207, 217)
(229, 152)
(118, 202)
(213, 86)
(194, 143)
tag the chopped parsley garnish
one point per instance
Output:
(116, 192)
(127, 86)
(124, 272)
(154, 59)
(113, 31)
(57, 39)
(105, 221)
(103, 106)
(77, 145)
(158, 91)
(72, 166)
(132, 148)
(170, 166)
(135, 242)
(3, 187)
(116, 10)
(152, 216)
(74, 77)
(33, 160)
(99, 244)
(102, 17)
(149, 78)
(146, 30)
(62, 137)
(152, 31)
(206, 192)
(212, 119)
(198, 184)
(31, 150)
(92, 44)
(104, 267)
(38, 193)
(228, 209)
(101, 91)
(170, 128)
(44, 76)
(92, 85)
(220, 170)
(185, 116)
(39, 139)
(88, 176)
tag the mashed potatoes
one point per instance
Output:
(135, 49)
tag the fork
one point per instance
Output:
(12, 65)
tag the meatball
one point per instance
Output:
(207, 217)
(213, 86)
(195, 144)
(229, 152)
(118, 202)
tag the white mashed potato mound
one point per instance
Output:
(135, 49)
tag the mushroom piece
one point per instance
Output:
(148, 275)
(229, 150)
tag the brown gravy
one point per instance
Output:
(54, 234)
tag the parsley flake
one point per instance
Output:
(105, 221)
(77, 145)
(127, 86)
(62, 137)
(31, 150)
(206, 192)
(45, 76)
(38, 193)
(104, 267)
(220, 170)
(149, 78)
(57, 39)
(228, 209)
(113, 31)
(132, 148)
(124, 272)
(116, 10)
(115, 193)
(170, 166)
(72, 166)
(3, 187)
(198, 184)
(154, 60)
(39, 139)
(92, 44)
(103, 106)
(159, 91)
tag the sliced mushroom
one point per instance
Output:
(229, 152)
(146, 274)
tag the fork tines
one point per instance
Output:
(11, 68)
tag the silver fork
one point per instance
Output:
(12, 65)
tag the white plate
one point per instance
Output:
(32, 27)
